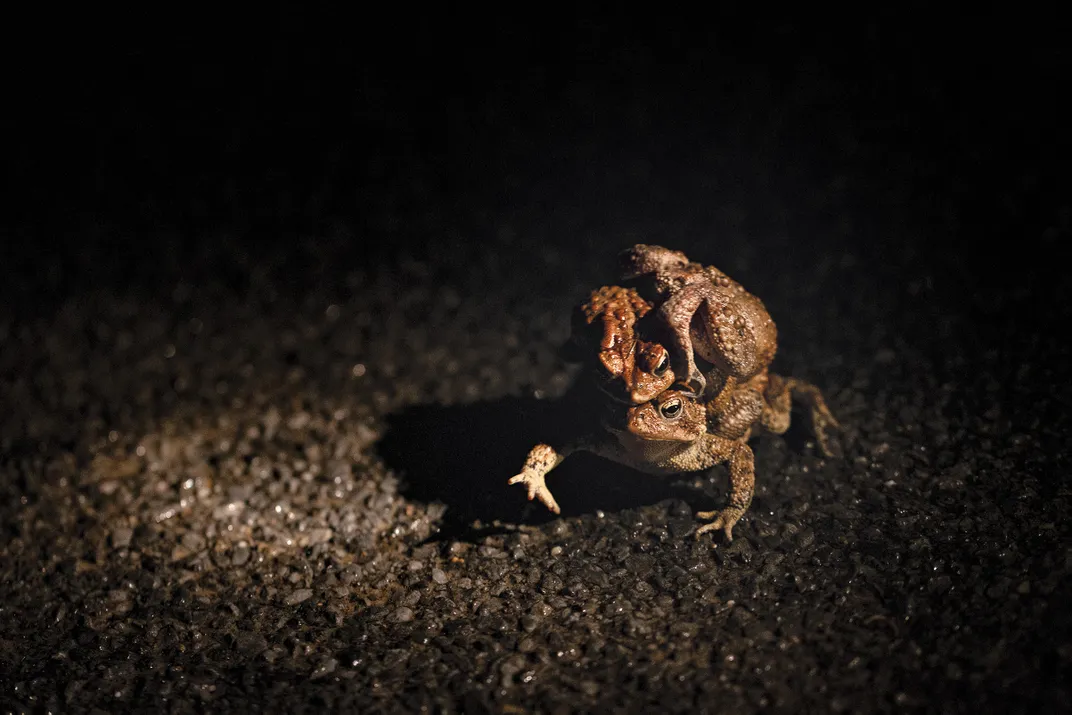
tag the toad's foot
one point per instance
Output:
(542, 459)
(538, 490)
(823, 426)
(780, 391)
(829, 446)
(695, 383)
(724, 520)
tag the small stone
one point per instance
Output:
(643, 589)
(326, 667)
(551, 584)
(439, 576)
(121, 538)
(250, 643)
(193, 541)
(296, 597)
(402, 615)
(240, 556)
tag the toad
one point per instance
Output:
(627, 369)
(667, 435)
(666, 430)
(633, 370)
(674, 433)
(704, 313)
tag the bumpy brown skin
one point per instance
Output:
(630, 370)
(735, 407)
(633, 370)
(667, 431)
(706, 314)
(673, 433)
(665, 436)
(765, 401)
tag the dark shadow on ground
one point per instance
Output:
(463, 455)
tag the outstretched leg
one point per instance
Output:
(742, 486)
(775, 418)
(541, 460)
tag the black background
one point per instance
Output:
(893, 184)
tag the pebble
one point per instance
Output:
(299, 596)
(240, 556)
(325, 667)
(121, 538)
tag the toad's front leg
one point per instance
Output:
(742, 467)
(734, 410)
(541, 460)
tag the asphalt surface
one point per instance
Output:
(259, 412)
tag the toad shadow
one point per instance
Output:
(463, 455)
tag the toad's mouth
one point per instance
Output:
(617, 423)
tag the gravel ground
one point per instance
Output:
(259, 412)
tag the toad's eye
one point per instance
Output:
(662, 366)
(671, 409)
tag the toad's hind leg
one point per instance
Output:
(723, 336)
(742, 485)
(781, 391)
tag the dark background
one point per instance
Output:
(278, 288)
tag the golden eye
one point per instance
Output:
(671, 409)
(663, 365)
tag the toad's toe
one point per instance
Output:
(695, 385)
(537, 490)
(724, 520)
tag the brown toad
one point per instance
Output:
(628, 369)
(667, 432)
(674, 433)
(667, 435)
(704, 313)
(633, 370)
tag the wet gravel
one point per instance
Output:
(256, 460)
